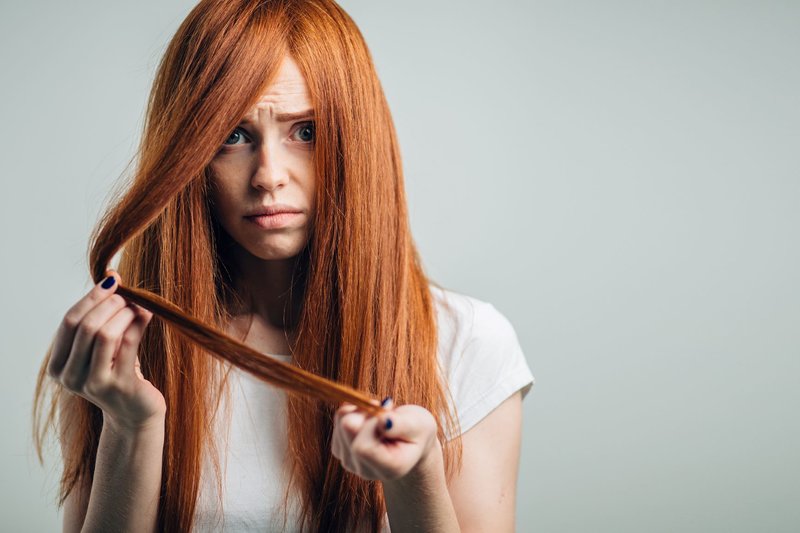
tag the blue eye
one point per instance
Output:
(307, 131)
(235, 136)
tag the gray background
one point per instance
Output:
(619, 178)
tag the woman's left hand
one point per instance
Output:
(386, 446)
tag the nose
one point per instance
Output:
(271, 171)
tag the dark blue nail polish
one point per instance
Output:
(108, 282)
(388, 423)
(385, 401)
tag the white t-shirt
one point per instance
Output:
(478, 351)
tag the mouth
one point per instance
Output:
(274, 209)
(278, 219)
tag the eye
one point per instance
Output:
(306, 131)
(237, 135)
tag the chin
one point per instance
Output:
(275, 252)
(276, 256)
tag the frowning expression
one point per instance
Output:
(265, 167)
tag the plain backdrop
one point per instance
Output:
(620, 179)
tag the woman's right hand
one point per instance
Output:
(95, 355)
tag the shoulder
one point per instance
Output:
(479, 354)
(470, 317)
(466, 323)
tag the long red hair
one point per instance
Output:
(367, 327)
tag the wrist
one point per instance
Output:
(428, 472)
(153, 426)
(420, 500)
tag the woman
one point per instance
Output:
(276, 210)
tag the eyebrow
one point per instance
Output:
(284, 117)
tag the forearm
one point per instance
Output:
(420, 500)
(127, 479)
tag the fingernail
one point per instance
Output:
(108, 282)
(388, 423)
(385, 401)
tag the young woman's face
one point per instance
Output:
(266, 165)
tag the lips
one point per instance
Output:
(276, 216)
(273, 209)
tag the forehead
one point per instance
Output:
(287, 93)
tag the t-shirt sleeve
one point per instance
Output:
(490, 367)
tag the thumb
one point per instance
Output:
(137, 368)
(407, 422)
(115, 275)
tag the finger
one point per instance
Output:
(409, 423)
(367, 446)
(337, 440)
(137, 367)
(141, 310)
(106, 345)
(127, 357)
(65, 335)
(351, 424)
(76, 368)
(343, 409)
(336, 443)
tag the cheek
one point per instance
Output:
(309, 184)
(223, 191)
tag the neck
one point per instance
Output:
(265, 287)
